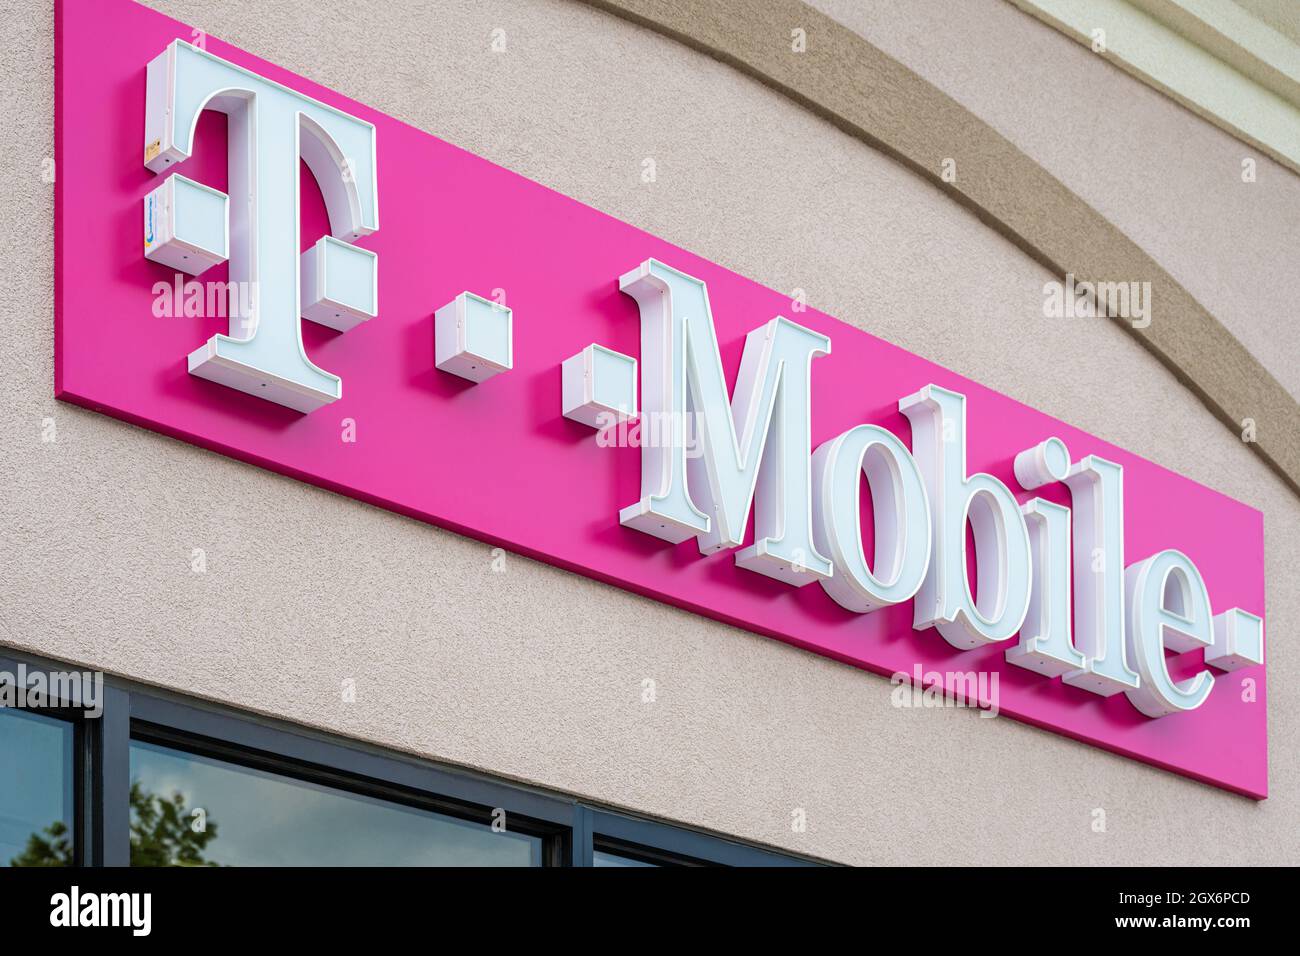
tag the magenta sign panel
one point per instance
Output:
(498, 459)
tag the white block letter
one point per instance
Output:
(756, 446)
(1168, 606)
(270, 128)
(1097, 492)
(902, 518)
(938, 418)
(1045, 645)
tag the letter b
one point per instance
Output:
(945, 601)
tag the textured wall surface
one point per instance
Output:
(1172, 184)
(536, 674)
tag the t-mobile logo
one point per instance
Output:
(192, 227)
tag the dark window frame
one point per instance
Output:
(229, 738)
(68, 709)
(571, 830)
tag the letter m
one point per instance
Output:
(753, 449)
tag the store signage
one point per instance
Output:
(493, 388)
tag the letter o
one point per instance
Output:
(902, 518)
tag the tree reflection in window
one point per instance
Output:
(37, 796)
(162, 834)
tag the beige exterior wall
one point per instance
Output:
(535, 673)
(1170, 181)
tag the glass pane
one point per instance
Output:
(188, 810)
(606, 858)
(36, 790)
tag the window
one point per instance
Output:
(193, 810)
(38, 796)
(149, 779)
(610, 858)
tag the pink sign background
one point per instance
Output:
(497, 461)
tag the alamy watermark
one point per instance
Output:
(651, 430)
(40, 689)
(131, 911)
(925, 689)
(192, 299)
(1087, 300)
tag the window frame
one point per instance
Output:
(236, 740)
(571, 830)
(85, 754)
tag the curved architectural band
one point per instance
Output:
(920, 126)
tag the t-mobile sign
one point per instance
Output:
(498, 359)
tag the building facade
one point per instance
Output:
(231, 603)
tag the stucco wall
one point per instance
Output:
(1172, 183)
(535, 673)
